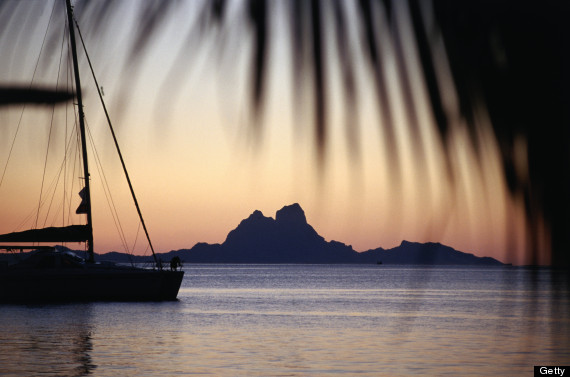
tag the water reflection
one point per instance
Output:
(378, 321)
(301, 320)
(51, 340)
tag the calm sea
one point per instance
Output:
(304, 320)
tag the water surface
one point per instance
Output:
(304, 320)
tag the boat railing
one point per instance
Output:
(25, 247)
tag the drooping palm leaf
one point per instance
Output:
(507, 57)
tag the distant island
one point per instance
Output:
(290, 239)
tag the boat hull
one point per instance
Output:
(121, 284)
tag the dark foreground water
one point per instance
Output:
(304, 320)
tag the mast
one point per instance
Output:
(156, 261)
(81, 129)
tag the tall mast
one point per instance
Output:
(81, 129)
(156, 261)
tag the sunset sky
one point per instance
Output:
(198, 169)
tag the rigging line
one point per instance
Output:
(72, 136)
(45, 168)
(70, 171)
(67, 86)
(107, 191)
(134, 244)
(29, 87)
(71, 144)
(51, 186)
(81, 116)
(136, 237)
(20, 226)
(74, 131)
(117, 144)
(49, 189)
(65, 136)
(108, 196)
(75, 169)
(145, 253)
(61, 173)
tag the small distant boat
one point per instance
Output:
(51, 274)
(379, 262)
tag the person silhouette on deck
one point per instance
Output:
(175, 263)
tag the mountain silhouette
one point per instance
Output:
(286, 239)
(290, 239)
(426, 253)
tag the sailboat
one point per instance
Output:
(52, 273)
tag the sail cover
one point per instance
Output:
(72, 233)
(84, 205)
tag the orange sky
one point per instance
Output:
(198, 172)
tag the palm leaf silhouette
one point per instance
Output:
(506, 57)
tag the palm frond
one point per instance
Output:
(508, 58)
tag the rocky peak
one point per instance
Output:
(291, 214)
(256, 215)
